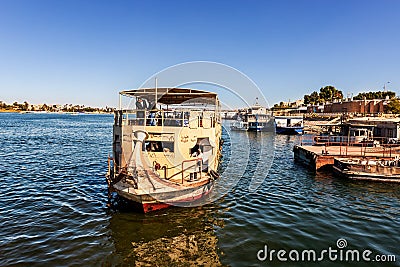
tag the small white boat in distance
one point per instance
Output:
(289, 124)
(166, 150)
(254, 119)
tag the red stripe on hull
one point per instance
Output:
(147, 207)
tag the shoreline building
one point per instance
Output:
(388, 128)
(373, 106)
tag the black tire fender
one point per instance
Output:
(214, 174)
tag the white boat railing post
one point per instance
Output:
(120, 101)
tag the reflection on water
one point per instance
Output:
(53, 203)
(165, 238)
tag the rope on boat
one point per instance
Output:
(214, 174)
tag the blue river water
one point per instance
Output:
(53, 205)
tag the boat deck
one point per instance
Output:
(318, 157)
(151, 182)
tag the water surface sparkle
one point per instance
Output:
(53, 204)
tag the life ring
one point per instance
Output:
(214, 174)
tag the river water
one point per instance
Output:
(53, 210)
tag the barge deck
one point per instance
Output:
(318, 157)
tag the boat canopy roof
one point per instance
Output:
(171, 96)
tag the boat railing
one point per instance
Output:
(368, 146)
(174, 118)
(197, 167)
(386, 167)
(239, 123)
(334, 140)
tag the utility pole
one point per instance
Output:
(384, 86)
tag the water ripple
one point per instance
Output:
(53, 196)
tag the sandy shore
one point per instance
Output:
(8, 111)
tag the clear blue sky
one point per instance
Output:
(85, 51)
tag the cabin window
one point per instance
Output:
(158, 146)
(168, 146)
(390, 133)
(378, 131)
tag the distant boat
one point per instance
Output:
(40, 112)
(376, 170)
(254, 119)
(289, 125)
(345, 133)
(240, 126)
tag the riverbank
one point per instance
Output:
(8, 111)
(50, 112)
(60, 176)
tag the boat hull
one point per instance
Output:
(256, 129)
(252, 129)
(364, 176)
(153, 201)
(242, 129)
(289, 130)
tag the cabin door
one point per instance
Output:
(207, 150)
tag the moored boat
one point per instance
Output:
(345, 133)
(166, 150)
(289, 125)
(254, 119)
(240, 126)
(372, 169)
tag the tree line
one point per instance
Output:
(330, 93)
(375, 95)
(51, 108)
(326, 94)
